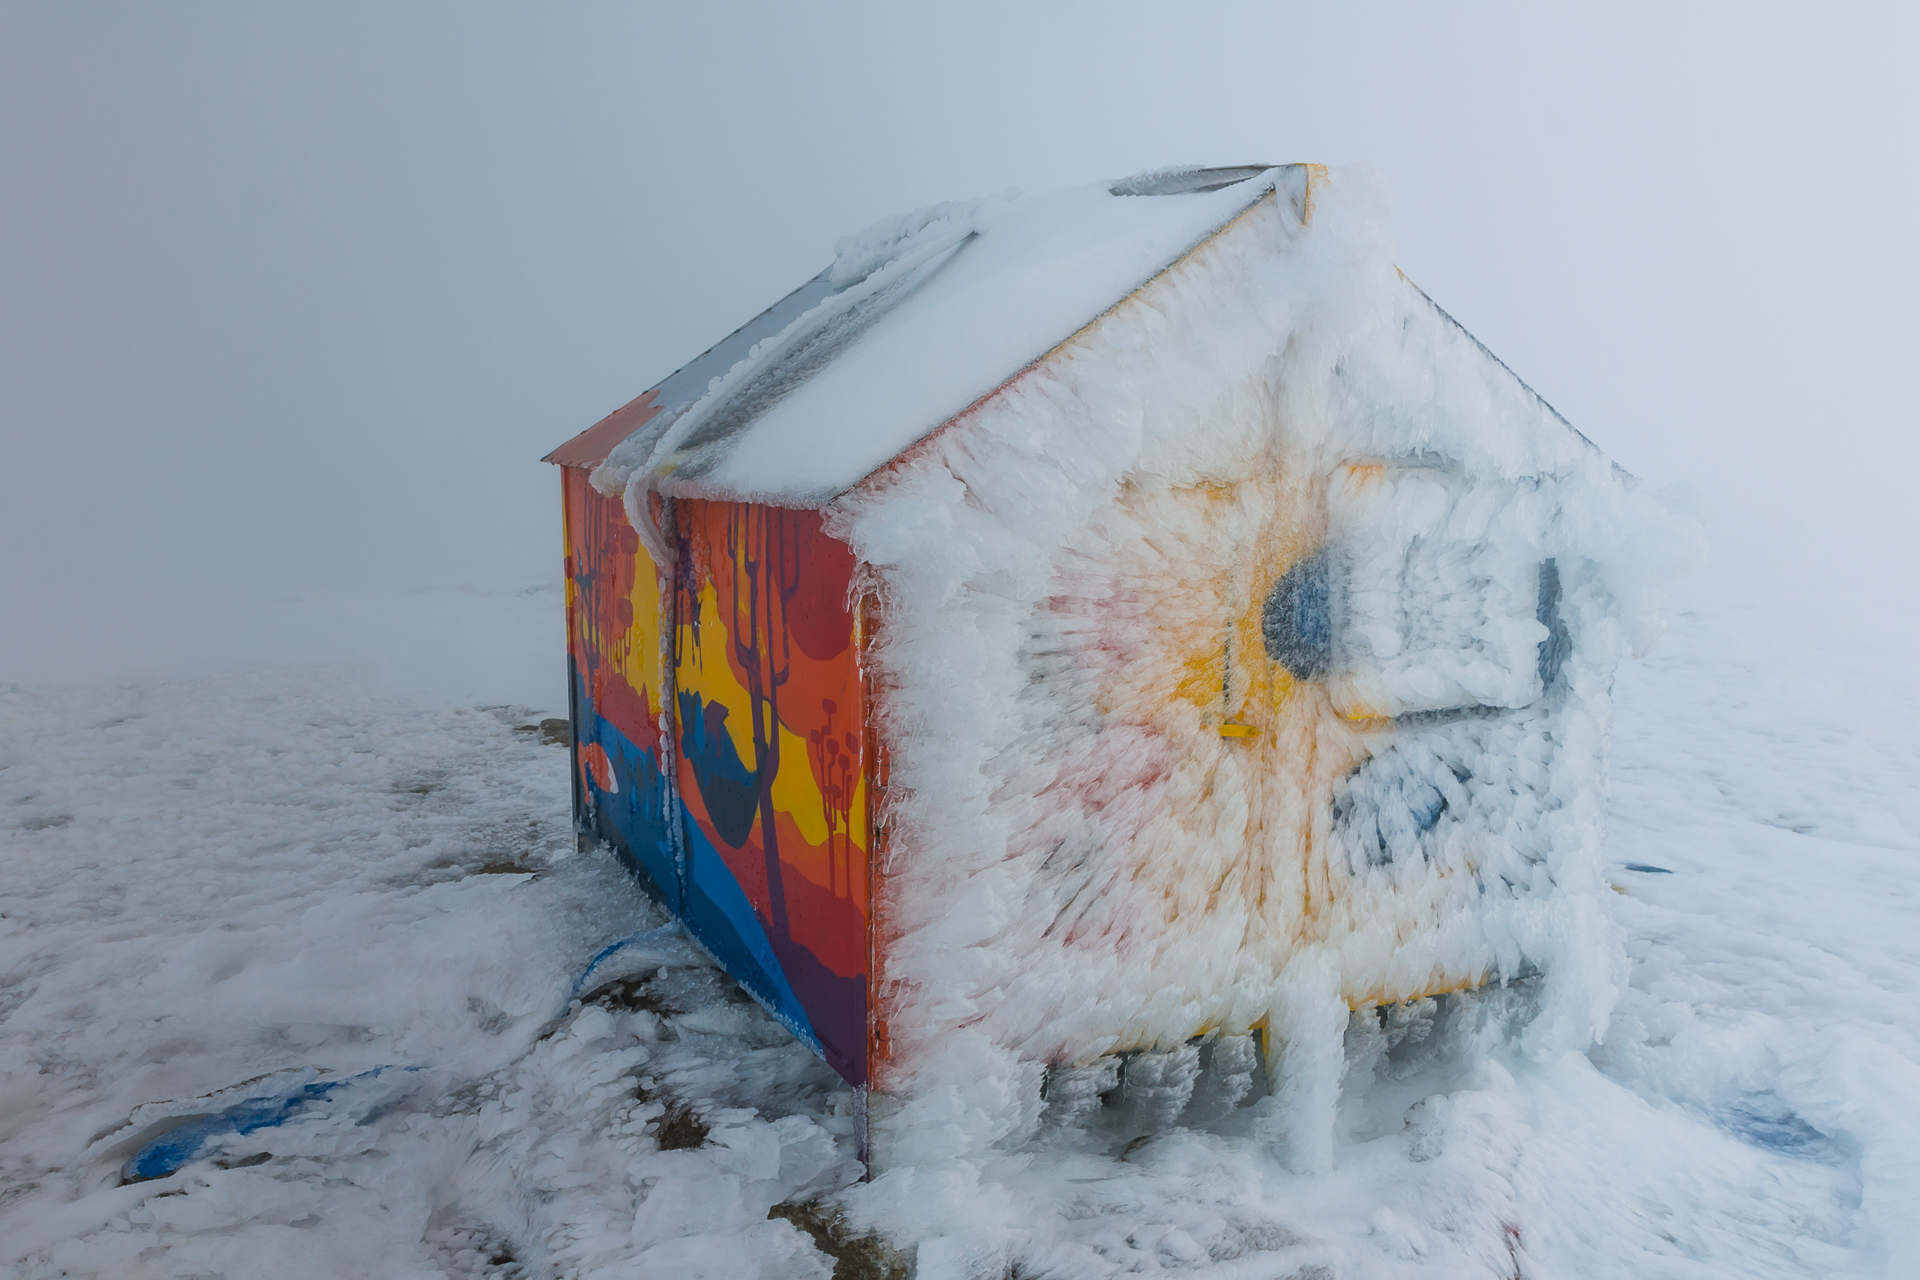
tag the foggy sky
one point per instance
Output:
(293, 299)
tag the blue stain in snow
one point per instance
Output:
(205, 1135)
(1767, 1122)
(179, 1146)
(663, 934)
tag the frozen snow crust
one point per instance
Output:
(1116, 823)
(206, 880)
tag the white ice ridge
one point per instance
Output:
(870, 271)
(858, 256)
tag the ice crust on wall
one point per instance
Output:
(1073, 578)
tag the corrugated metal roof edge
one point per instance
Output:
(591, 447)
(1519, 381)
(580, 450)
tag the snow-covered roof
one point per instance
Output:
(918, 318)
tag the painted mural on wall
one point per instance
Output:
(616, 659)
(769, 719)
(1320, 695)
(741, 676)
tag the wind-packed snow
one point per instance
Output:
(210, 879)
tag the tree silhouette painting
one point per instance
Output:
(837, 766)
(766, 578)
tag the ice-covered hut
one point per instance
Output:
(1113, 620)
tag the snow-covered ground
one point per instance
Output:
(208, 879)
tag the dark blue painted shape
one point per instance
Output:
(1296, 621)
(730, 790)
(723, 922)
(180, 1146)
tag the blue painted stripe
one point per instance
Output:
(723, 922)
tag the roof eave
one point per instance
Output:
(591, 447)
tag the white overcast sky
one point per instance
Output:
(292, 298)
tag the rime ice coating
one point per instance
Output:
(1121, 818)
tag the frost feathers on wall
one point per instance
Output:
(1147, 786)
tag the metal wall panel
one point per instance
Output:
(770, 720)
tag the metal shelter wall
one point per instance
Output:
(721, 747)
